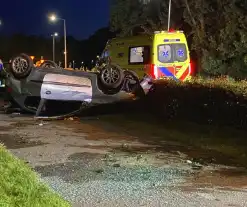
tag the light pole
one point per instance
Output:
(169, 15)
(54, 18)
(53, 45)
(73, 64)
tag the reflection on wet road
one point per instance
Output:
(91, 165)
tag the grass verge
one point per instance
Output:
(20, 186)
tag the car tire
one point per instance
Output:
(49, 64)
(135, 88)
(21, 66)
(116, 76)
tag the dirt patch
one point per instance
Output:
(15, 142)
(206, 144)
(95, 131)
(5, 128)
(96, 147)
(85, 156)
(197, 155)
(99, 130)
(136, 149)
(22, 124)
(224, 178)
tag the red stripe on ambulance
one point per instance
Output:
(185, 74)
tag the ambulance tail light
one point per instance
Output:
(191, 68)
(154, 71)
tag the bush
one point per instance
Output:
(214, 101)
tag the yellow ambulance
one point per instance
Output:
(164, 54)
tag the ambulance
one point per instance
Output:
(165, 54)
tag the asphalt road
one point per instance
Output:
(90, 164)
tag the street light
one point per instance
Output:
(53, 44)
(146, 2)
(169, 15)
(54, 18)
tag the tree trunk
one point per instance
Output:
(198, 68)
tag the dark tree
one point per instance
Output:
(216, 29)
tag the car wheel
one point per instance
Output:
(49, 64)
(132, 84)
(21, 66)
(111, 76)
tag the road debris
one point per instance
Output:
(116, 165)
(72, 119)
(195, 165)
(99, 171)
(189, 161)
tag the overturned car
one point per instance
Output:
(52, 91)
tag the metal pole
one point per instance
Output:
(169, 15)
(53, 47)
(65, 44)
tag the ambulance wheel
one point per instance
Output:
(21, 66)
(111, 76)
(49, 64)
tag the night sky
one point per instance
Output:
(83, 17)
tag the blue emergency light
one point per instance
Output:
(171, 40)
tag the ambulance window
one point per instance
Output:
(180, 52)
(164, 53)
(136, 55)
(139, 55)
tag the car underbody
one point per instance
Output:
(52, 92)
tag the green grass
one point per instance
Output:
(20, 186)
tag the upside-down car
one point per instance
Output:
(55, 92)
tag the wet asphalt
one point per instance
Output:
(92, 166)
